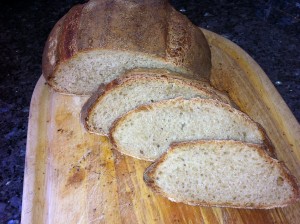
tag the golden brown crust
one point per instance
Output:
(221, 95)
(184, 42)
(270, 149)
(88, 105)
(68, 39)
(159, 72)
(50, 54)
(149, 174)
(112, 129)
(120, 25)
(115, 124)
(293, 180)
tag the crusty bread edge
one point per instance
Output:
(161, 72)
(87, 107)
(270, 149)
(150, 172)
(116, 123)
(49, 69)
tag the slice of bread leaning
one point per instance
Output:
(97, 41)
(137, 88)
(222, 173)
(147, 131)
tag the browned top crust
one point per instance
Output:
(149, 27)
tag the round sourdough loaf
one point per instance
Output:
(96, 42)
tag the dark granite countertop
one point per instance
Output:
(268, 30)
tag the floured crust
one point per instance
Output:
(166, 35)
(149, 174)
(140, 75)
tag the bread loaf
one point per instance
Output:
(97, 41)
(147, 131)
(136, 88)
(222, 173)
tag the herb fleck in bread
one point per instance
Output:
(222, 173)
(137, 88)
(147, 131)
(97, 41)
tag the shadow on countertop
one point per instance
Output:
(268, 30)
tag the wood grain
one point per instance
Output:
(72, 176)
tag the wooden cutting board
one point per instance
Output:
(72, 176)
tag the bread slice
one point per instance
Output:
(147, 131)
(137, 88)
(97, 41)
(222, 173)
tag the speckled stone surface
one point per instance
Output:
(268, 30)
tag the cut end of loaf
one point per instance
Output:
(223, 174)
(83, 73)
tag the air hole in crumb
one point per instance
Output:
(279, 181)
(141, 151)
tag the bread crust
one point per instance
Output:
(88, 105)
(150, 173)
(269, 146)
(222, 96)
(139, 75)
(151, 28)
(270, 149)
